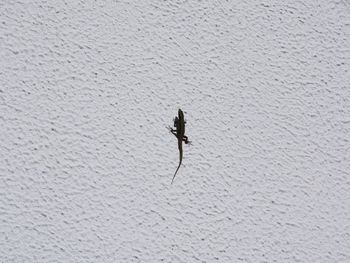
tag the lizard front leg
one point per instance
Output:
(172, 131)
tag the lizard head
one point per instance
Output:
(181, 114)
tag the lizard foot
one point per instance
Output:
(170, 128)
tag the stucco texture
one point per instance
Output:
(87, 89)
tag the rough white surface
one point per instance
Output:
(88, 87)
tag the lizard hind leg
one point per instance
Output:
(185, 139)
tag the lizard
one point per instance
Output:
(179, 132)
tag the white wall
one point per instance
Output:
(87, 89)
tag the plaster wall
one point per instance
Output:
(87, 89)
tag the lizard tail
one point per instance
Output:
(177, 167)
(175, 173)
(180, 160)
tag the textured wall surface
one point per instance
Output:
(87, 89)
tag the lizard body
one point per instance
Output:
(179, 132)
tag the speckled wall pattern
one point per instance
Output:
(87, 89)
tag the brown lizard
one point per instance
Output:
(179, 132)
